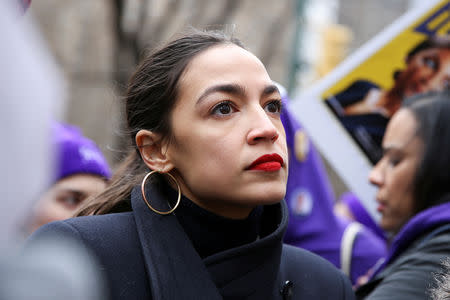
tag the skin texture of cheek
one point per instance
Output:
(400, 205)
(55, 212)
(48, 211)
(213, 174)
(205, 160)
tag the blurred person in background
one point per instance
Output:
(24, 123)
(313, 225)
(413, 181)
(31, 93)
(81, 172)
(197, 211)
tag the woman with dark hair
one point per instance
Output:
(413, 180)
(196, 212)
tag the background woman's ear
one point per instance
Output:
(153, 150)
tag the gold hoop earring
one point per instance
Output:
(145, 198)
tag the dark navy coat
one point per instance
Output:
(144, 255)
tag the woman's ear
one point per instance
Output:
(153, 151)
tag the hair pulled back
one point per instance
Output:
(432, 178)
(151, 94)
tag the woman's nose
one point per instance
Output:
(262, 128)
(376, 175)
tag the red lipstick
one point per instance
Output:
(268, 163)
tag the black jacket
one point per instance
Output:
(411, 275)
(148, 256)
(414, 259)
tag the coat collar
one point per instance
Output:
(418, 225)
(250, 271)
(246, 271)
(168, 253)
(415, 229)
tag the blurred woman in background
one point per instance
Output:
(413, 180)
(81, 171)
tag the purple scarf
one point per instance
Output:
(421, 223)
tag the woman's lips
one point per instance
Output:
(381, 207)
(268, 163)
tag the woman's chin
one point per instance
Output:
(271, 196)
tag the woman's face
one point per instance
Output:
(394, 173)
(427, 70)
(62, 199)
(226, 118)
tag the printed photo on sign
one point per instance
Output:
(301, 202)
(414, 62)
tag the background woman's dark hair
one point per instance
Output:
(432, 42)
(432, 180)
(150, 97)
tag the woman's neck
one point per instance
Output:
(219, 208)
(211, 233)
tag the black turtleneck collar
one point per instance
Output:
(211, 233)
(172, 246)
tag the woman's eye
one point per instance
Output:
(430, 63)
(394, 161)
(223, 108)
(273, 107)
(70, 201)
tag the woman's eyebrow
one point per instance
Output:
(270, 89)
(72, 191)
(233, 89)
(397, 148)
(391, 149)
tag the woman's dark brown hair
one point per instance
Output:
(432, 178)
(150, 97)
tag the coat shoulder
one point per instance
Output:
(310, 273)
(92, 231)
(113, 240)
(411, 274)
